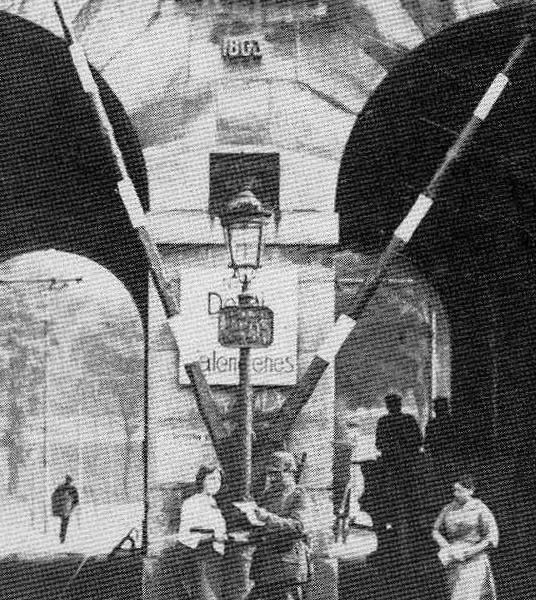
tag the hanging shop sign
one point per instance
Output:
(204, 292)
(241, 49)
(246, 326)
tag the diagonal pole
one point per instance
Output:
(206, 404)
(345, 324)
(136, 214)
(125, 186)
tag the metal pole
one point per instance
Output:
(246, 426)
(145, 443)
(435, 358)
(45, 427)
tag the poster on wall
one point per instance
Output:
(202, 293)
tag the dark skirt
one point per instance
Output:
(190, 574)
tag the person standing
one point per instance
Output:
(201, 537)
(280, 565)
(440, 434)
(65, 499)
(441, 451)
(398, 436)
(399, 439)
(464, 531)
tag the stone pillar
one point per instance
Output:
(314, 429)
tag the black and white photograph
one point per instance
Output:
(267, 299)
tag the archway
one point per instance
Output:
(58, 184)
(476, 246)
(72, 342)
(402, 346)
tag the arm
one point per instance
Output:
(490, 533)
(380, 435)
(415, 436)
(296, 519)
(191, 518)
(440, 540)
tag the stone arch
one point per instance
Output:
(73, 396)
(58, 179)
(476, 246)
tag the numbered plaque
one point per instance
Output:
(241, 49)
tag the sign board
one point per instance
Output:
(246, 326)
(203, 291)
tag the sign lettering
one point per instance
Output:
(204, 292)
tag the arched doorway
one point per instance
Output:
(476, 246)
(59, 180)
(402, 346)
(72, 346)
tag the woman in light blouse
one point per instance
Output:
(464, 530)
(202, 535)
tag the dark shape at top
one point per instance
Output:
(57, 176)
(476, 245)
(231, 172)
(414, 116)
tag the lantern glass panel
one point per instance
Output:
(245, 246)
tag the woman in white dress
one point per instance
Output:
(465, 530)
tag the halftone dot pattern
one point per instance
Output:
(356, 103)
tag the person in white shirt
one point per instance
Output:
(202, 535)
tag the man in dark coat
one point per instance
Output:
(399, 440)
(280, 566)
(64, 500)
(398, 436)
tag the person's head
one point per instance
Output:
(441, 406)
(208, 479)
(463, 488)
(68, 479)
(393, 403)
(281, 468)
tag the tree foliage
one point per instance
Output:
(390, 350)
(77, 348)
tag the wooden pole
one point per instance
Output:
(246, 422)
(346, 323)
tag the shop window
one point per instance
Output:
(232, 172)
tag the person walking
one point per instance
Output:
(280, 565)
(65, 499)
(465, 530)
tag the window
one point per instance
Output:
(232, 172)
